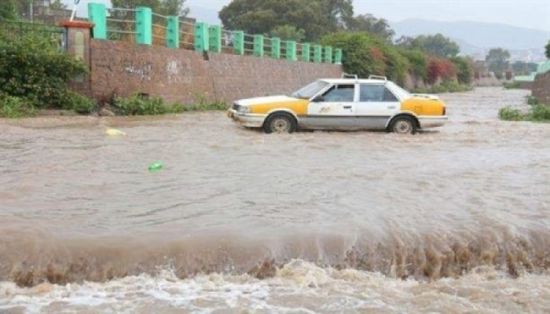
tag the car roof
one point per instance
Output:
(353, 81)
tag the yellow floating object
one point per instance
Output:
(114, 132)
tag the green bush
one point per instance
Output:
(33, 67)
(511, 85)
(532, 100)
(138, 106)
(15, 107)
(511, 114)
(539, 113)
(464, 70)
(78, 103)
(418, 63)
(203, 107)
(363, 54)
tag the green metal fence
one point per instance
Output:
(142, 26)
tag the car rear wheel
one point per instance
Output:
(403, 125)
(280, 123)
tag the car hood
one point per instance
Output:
(425, 96)
(265, 100)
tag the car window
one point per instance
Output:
(344, 93)
(376, 93)
(310, 90)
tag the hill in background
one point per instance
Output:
(476, 38)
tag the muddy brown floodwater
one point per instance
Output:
(451, 220)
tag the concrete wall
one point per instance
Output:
(541, 88)
(180, 75)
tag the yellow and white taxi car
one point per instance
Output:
(342, 104)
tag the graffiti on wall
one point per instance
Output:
(141, 71)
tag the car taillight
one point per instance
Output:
(444, 111)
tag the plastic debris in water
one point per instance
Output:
(114, 132)
(156, 166)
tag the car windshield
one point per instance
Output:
(310, 90)
(398, 91)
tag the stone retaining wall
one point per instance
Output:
(179, 75)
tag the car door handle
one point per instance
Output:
(392, 107)
(347, 107)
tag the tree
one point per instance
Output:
(174, 7)
(164, 7)
(548, 50)
(314, 17)
(288, 32)
(497, 61)
(369, 23)
(57, 5)
(366, 54)
(464, 69)
(8, 10)
(437, 45)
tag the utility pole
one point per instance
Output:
(31, 12)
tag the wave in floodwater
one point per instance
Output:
(313, 221)
(297, 287)
(29, 261)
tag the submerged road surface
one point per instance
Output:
(451, 220)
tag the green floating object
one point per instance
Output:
(156, 166)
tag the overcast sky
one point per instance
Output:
(526, 13)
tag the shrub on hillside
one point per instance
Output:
(440, 69)
(464, 69)
(417, 62)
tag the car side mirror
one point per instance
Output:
(319, 98)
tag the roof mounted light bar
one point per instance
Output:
(378, 77)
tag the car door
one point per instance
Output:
(376, 105)
(333, 108)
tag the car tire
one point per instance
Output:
(280, 122)
(403, 125)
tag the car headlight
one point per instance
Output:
(243, 109)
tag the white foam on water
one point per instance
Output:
(298, 287)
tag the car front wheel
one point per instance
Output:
(403, 125)
(280, 123)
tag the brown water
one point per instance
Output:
(451, 220)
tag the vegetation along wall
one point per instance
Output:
(179, 75)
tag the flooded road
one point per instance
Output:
(451, 220)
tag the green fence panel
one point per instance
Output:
(328, 54)
(306, 52)
(317, 53)
(215, 38)
(238, 42)
(201, 37)
(259, 45)
(144, 26)
(276, 48)
(97, 14)
(291, 50)
(172, 32)
(338, 56)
